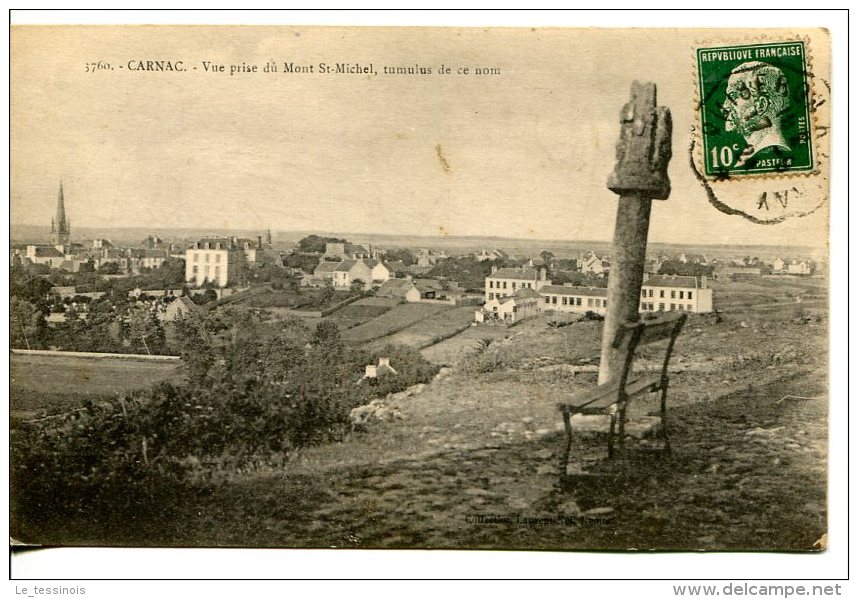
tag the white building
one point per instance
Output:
(798, 267)
(567, 298)
(504, 282)
(667, 293)
(522, 304)
(213, 260)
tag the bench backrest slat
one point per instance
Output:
(633, 334)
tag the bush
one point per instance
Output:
(250, 399)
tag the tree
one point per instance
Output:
(32, 289)
(98, 336)
(467, 270)
(110, 268)
(28, 324)
(209, 295)
(327, 336)
(145, 328)
(547, 257)
(305, 262)
(401, 255)
(316, 243)
(357, 286)
(327, 293)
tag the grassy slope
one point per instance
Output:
(392, 321)
(57, 383)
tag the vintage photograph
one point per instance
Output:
(561, 289)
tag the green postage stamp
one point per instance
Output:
(755, 112)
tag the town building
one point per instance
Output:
(179, 308)
(798, 267)
(215, 260)
(44, 254)
(150, 259)
(495, 254)
(325, 270)
(504, 282)
(346, 251)
(591, 263)
(427, 258)
(518, 306)
(403, 289)
(369, 272)
(569, 298)
(668, 293)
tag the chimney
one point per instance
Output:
(542, 274)
(494, 269)
(645, 276)
(704, 280)
(259, 242)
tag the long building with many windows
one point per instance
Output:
(566, 298)
(659, 293)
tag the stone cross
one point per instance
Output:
(640, 176)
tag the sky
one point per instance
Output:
(524, 154)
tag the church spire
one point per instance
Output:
(60, 226)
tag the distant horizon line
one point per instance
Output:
(421, 236)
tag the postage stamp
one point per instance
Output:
(755, 109)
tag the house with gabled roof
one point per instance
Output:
(325, 269)
(591, 263)
(522, 304)
(403, 289)
(179, 308)
(44, 254)
(346, 251)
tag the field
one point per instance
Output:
(771, 296)
(392, 321)
(436, 328)
(305, 299)
(361, 311)
(51, 384)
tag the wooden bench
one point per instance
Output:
(613, 397)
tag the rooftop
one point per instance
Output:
(671, 281)
(569, 290)
(527, 274)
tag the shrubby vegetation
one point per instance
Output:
(692, 269)
(254, 394)
(316, 243)
(468, 271)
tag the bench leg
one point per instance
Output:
(664, 434)
(611, 435)
(568, 426)
(621, 432)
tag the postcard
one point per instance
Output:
(409, 287)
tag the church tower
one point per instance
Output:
(60, 225)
